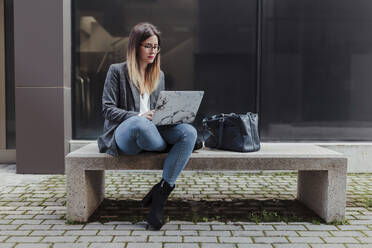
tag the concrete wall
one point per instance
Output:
(359, 154)
(42, 47)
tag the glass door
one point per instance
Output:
(201, 50)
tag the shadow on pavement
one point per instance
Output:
(203, 211)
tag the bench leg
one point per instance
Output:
(85, 191)
(324, 192)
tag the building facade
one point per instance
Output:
(303, 65)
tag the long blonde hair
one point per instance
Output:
(138, 34)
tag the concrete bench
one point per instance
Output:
(321, 183)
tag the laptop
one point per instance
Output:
(173, 107)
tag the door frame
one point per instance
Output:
(2, 79)
(6, 155)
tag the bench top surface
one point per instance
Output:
(268, 150)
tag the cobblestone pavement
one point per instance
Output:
(32, 213)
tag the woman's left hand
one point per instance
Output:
(148, 114)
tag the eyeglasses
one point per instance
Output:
(149, 46)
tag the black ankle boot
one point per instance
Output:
(146, 201)
(159, 196)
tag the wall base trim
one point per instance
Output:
(8, 156)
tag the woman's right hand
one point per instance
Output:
(148, 114)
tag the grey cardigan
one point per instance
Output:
(120, 101)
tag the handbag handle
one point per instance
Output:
(221, 119)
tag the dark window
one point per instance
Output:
(314, 70)
(316, 80)
(207, 45)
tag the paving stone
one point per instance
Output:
(46, 233)
(59, 239)
(347, 233)
(217, 223)
(6, 222)
(99, 227)
(258, 227)
(165, 239)
(32, 222)
(118, 223)
(352, 227)
(195, 227)
(97, 245)
(242, 240)
(67, 227)
(71, 245)
(34, 227)
(358, 245)
(247, 233)
(82, 232)
(144, 245)
(321, 228)
(2, 208)
(314, 233)
(276, 223)
(112, 232)
(360, 222)
(130, 239)
(32, 246)
(60, 222)
(281, 233)
(299, 223)
(327, 246)
(44, 214)
(227, 227)
(15, 232)
(254, 246)
(290, 227)
(130, 227)
(170, 227)
(182, 245)
(8, 245)
(8, 227)
(95, 238)
(340, 240)
(365, 240)
(23, 239)
(207, 245)
(305, 240)
(363, 217)
(214, 233)
(19, 203)
(270, 240)
(2, 238)
(190, 239)
(181, 233)
(147, 233)
(179, 222)
(291, 245)
(17, 217)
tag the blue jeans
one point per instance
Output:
(138, 133)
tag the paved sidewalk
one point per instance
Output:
(32, 213)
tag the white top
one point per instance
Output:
(144, 103)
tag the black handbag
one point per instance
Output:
(234, 132)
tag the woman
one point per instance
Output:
(129, 97)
